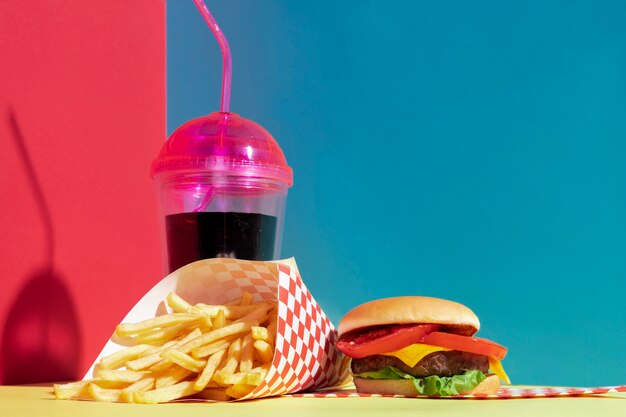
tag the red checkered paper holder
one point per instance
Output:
(507, 392)
(305, 357)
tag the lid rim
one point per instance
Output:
(271, 172)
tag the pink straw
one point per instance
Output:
(227, 66)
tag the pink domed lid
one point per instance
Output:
(226, 143)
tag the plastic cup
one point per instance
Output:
(221, 182)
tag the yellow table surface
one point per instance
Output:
(39, 401)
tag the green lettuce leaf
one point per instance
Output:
(431, 385)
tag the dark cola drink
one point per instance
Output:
(194, 236)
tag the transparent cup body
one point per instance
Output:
(213, 215)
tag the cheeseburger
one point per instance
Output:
(419, 346)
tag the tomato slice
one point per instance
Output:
(384, 339)
(469, 344)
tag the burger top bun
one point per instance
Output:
(411, 309)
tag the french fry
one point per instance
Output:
(165, 394)
(127, 329)
(234, 356)
(158, 349)
(104, 394)
(162, 364)
(232, 360)
(118, 359)
(190, 336)
(220, 320)
(262, 370)
(70, 390)
(149, 357)
(239, 391)
(208, 371)
(211, 348)
(234, 379)
(146, 362)
(259, 314)
(215, 394)
(206, 324)
(183, 360)
(213, 335)
(103, 383)
(160, 336)
(231, 312)
(247, 354)
(260, 333)
(246, 299)
(120, 375)
(253, 378)
(265, 351)
(213, 384)
(177, 304)
(172, 376)
(271, 330)
(142, 385)
(242, 378)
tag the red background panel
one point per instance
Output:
(82, 114)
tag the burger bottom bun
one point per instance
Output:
(491, 385)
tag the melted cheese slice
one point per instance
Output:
(496, 367)
(412, 354)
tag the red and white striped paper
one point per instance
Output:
(305, 357)
(504, 393)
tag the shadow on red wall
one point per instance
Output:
(41, 336)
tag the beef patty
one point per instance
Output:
(442, 363)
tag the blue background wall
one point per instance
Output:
(467, 150)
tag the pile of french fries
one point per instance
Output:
(215, 352)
